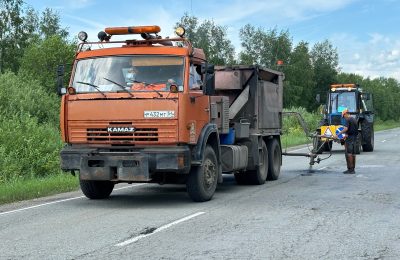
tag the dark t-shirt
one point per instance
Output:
(352, 130)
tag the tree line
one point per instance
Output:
(309, 70)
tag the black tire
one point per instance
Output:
(241, 178)
(358, 144)
(260, 174)
(96, 189)
(202, 180)
(274, 160)
(368, 137)
(328, 146)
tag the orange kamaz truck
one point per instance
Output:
(152, 109)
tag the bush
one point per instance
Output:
(292, 125)
(22, 96)
(28, 149)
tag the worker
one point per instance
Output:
(351, 130)
(131, 73)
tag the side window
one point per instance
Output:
(195, 81)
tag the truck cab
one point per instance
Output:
(148, 110)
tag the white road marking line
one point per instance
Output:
(383, 141)
(322, 168)
(371, 166)
(137, 238)
(59, 201)
(298, 149)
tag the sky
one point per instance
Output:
(365, 32)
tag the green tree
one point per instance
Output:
(11, 22)
(325, 60)
(20, 26)
(40, 60)
(264, 48)
(299, 83)
(50, 25)
(190, 23)
(210, 37)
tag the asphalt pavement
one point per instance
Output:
(328, 215)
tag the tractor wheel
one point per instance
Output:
(328, 146)
(368, 137)
(358, 143)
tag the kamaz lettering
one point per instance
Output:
(120, 129)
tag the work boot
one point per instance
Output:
(347, 156)
(351, 164)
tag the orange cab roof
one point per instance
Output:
(167, 50)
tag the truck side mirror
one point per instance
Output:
(209, 88)
(207, 68)
(61, 90)
(318, 98)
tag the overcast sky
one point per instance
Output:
(365, 32)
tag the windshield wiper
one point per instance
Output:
(119, 85)
(151, 86)
(92, 85)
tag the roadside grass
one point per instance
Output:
(289, 140)
(384, 125)
(25, 189)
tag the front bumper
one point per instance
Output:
(125, 164)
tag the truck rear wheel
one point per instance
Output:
(96, 189)
(368, 137)
(202, 180)
(274, 160)
(259, 175)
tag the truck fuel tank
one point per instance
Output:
(234, 157)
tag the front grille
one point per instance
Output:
(140, 134)
(145, 131)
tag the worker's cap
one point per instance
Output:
(345, 111)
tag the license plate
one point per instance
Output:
(159, 114)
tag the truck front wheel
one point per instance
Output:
(202, 180)
(96, 189)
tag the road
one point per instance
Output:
(327, 215)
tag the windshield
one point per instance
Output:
(129, 73)
(343, 100)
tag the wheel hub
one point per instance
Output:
(209, 173)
